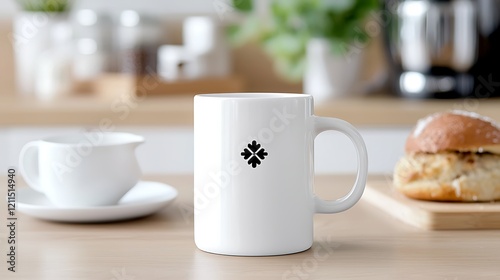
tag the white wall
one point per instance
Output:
(7, 8)
(151, 7)
(166, 150)
(334, 152)
(170, 149)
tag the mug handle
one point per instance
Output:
(321, 124)
(28, 165)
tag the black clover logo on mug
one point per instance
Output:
(254, 154)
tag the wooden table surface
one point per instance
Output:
(361, 243)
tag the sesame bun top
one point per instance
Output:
(454, 131)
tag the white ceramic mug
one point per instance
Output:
(82, 170)
(253, 173)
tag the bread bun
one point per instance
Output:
(454, 131)
(449, 176)
(451, 156)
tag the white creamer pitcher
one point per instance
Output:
(85, 169)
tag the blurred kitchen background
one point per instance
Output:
(94, 37)
(68, 65)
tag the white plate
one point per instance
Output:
(143, 199)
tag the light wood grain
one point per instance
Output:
(112, 85)
(432, 215)
(377, 110)
(362, 243)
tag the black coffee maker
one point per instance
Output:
(444, 49)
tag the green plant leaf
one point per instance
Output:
(44, 5)
(249, 30)
(293, 22)
(337, 5)
(243, 5)
(283, 45)
(290, 69)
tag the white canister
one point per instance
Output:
(329, 75)
(206, 45)
(31, 37)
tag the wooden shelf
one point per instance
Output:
(375, 110)
(386, 110)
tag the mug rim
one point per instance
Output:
(76, 139)
(252, 95)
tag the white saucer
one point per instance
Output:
(143, 199)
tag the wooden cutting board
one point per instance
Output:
(432, 215)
